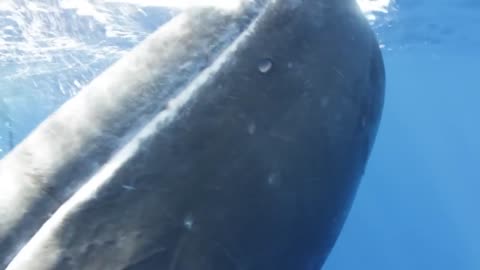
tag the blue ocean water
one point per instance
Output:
(417, 205)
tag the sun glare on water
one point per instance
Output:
(182, 4)
(370, 7)
(37, 31)
(367, 6)
(374, 5)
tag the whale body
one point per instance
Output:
(228, 139)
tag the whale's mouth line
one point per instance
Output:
(99, 179)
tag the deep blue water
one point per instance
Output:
(417, 205)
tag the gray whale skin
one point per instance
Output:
(230, 139)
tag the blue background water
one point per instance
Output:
(417, 205)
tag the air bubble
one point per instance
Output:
(77, 84)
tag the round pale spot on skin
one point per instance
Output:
(364, 121)
(251, 128)
(273, 178)
(188, 222)
(265, 65)
(338, 117)
(325, 101)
